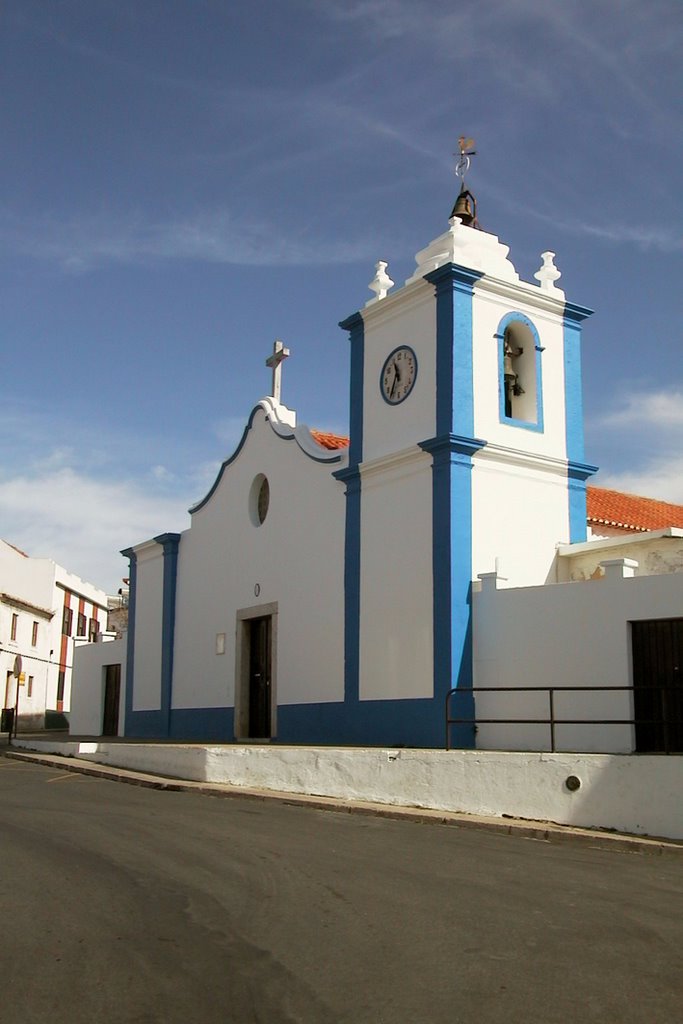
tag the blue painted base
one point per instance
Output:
(376, 723)
(372, 723)
(205, 725)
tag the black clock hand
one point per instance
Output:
(395, 380)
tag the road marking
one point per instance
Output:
(63, 778)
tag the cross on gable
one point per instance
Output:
(275, 361)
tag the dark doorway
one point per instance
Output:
(112, 692)
(259, 677)
(657, 647)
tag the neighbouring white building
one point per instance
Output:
(334, 590)
(43, 609)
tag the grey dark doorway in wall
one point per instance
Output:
(112, 693)
(657, 647)
(260, 660)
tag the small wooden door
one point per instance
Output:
(112, 692)
(657, 646)
(259, 678)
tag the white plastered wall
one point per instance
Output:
(294, 559)
(655, 556)
(90, 661)
(520, 513)
(396, 590)
(28, 578)
(567, 634)
(35, 580)
(407, 318)
(148, 612)
(396, 595)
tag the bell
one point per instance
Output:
(465, 208)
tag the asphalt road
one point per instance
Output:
(122, 904)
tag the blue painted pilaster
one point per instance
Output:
(129, 553)
(578, 471)
(354, 325)
(454, 380)
(170, 543)
(452, 449)
(350, 476)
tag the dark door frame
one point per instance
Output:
(111, 700)
(242, 667)
(657, 673)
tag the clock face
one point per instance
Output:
(398, 375)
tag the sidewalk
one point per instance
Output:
(522, 828)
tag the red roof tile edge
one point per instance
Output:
(330, 441)
(630, 511)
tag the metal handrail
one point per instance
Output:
(551, 720)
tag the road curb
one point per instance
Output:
(540, 831)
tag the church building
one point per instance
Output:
(324, 591)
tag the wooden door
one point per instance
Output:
(657, 647)
(259, 678)
(112, 693)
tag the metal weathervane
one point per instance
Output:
(466, 151)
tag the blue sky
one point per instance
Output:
(183, 181)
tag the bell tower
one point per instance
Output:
(466, 455)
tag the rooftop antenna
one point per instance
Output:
(465, 208)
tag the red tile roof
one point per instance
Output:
(629, 511)
(330, 441)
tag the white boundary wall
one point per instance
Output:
(632, 794)
(90, 662)
(565, 634)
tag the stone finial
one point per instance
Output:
(548, 273)
(381, 283)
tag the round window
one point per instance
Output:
(259, 499)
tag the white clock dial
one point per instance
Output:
(398, 375)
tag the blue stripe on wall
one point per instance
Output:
(351, 478)
(170, 543)
(578, 471)
(354, 325)
(129, 553)
(451, 452)
(454, 383)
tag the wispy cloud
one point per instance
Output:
(644, 236)
(82, 522)
(655, 419)
(81, 505)
(659, 410)
(212, 237)
(661, 478)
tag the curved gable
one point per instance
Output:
(318, 446)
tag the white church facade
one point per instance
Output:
(334, 590)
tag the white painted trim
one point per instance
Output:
(281, 419)
(568, 550)
(395, 460)
(510, 292)
(392, 307)
(516, 457)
